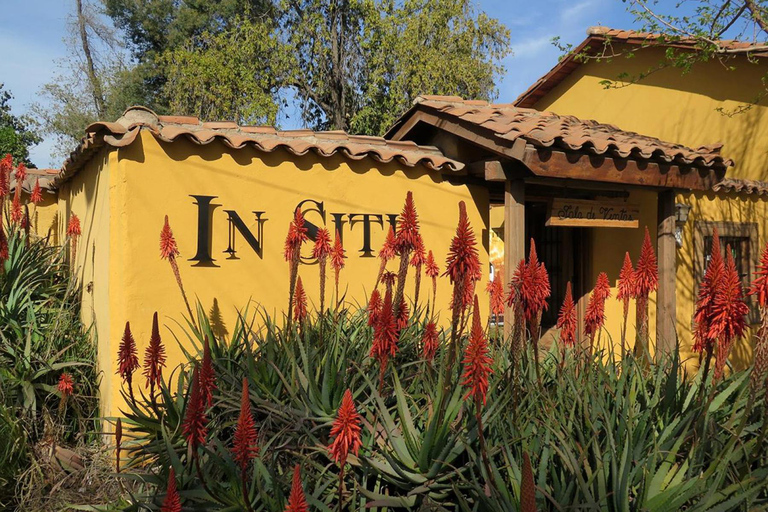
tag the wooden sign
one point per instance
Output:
(593, 214)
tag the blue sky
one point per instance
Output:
(32, 32)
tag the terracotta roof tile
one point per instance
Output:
(741, 186)
(549, 130)
(299, 142)
(597, 37)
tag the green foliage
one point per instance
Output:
(13, 454)
(353, 65)
(227, 75)
(601, 434)
(16, 137)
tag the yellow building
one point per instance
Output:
(582, 191)
(711, 103)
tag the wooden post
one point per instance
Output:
(666, 339)
(514, 237)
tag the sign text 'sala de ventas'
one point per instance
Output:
(316, 215)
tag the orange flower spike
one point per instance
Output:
(385, 336)
(477, 363)
(345, 431)
(403, 313)
(297, 234)
(704, 338)
(300, 302)
(207, 375)
(389, 278)
(496, 291)
(646, 275)
(322, 247)
(172, 501)
(297, 502)
(194, 426)
(759, 286)
(431, 269)
(17, 214)
(6, 165)
(337, 259)
(73, 227)
(429, 342)
(729, 318)
(168, 247)
(566, 320)
(66, 386)
(154, 357)
(625, 284)
(127, 359)
(37, 193)
(463, 259)
(374, 308)
(407, 227)
(387, 251)
(419, 255)
(21, 175)
(594, 318)
(244, 445)
(518, 277)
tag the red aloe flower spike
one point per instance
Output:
(17, 215)
(299, 302)
(66, 386)
(566, 320)
(168, 251)
(374, 308)
(172, 501)
(386, 253)
(384, 337)
(297, 234)
(730, 313)
(432, 271)
(345, 431)
(626, 287)
(154, 359)
(127, 360)
(407, 226)
(21, 175)
(646, 280)
(527, 487)
(495, 289)
(514, 300)
(321, 251)
(477, 363)
(594, 319)
(389, 278)
(429, 342)
(207, 376)
(708, 289)
(168, 247)
(759, 288)
(337, 260)
(417, 261)
(6, 165)
(194, 426)
(73, 227)
(297, 502)
(462, 266)
(37, 193)
(244, 445)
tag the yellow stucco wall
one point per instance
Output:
(680, 108)
(148, 180)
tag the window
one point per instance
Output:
(742, 239)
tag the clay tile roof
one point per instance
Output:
(548, 130)
(598, 37)
(46, 177)
(298, 142)
(741, 186)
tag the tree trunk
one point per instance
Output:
(97, 92)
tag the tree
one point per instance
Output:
(94, 82)
(16, 137)
(352, 64)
